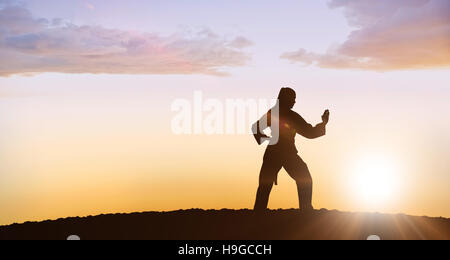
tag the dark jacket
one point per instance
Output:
(289, 125)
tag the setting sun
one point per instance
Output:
(375, 180)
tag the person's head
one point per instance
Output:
(286, 98)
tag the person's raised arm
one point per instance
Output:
(307, 130)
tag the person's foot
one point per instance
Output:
(307, 209)
(261, 211)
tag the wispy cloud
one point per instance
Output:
(89, 6)
(241, 42)
(390, 35)
(29, 45)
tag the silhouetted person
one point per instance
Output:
(281, 152)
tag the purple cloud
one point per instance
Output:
(241, 42)
(389, 35)
(31, 45)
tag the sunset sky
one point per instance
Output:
(86, 89)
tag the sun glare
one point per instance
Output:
(375, 180)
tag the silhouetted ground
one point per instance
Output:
(234, 225)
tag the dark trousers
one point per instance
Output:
(295, 167)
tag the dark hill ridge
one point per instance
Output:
(234, 225)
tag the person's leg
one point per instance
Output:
(299, 171)
(269, 170)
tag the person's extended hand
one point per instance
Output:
(326, 117)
